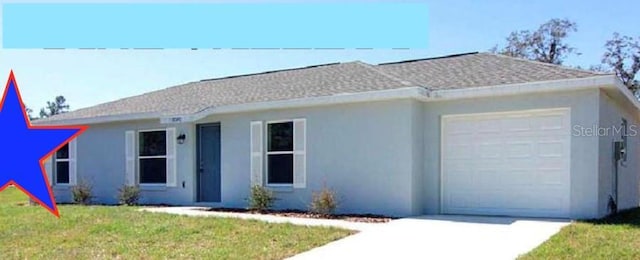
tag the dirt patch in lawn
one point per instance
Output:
(364, 218)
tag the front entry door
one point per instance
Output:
(209, 163)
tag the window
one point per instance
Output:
(280, 153)
(152, 156)
(62, 165)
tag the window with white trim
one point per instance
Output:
(279, 161)
(62, 165)
(152, 156)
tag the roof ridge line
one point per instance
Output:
(430, 58)
(269, 72)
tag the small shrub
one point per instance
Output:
(261, 198)
(324, 202)
(128, 195)
(82, 193)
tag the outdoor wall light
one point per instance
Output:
(181, 138)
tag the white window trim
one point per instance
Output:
(55, 169)
(267, 153)
(139, 157)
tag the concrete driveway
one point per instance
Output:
(442, 237)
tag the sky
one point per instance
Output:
(90, 77)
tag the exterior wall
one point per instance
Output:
(611, 114)
(418, 127)
(363, 151)
(101, 163)
(584, 153)
(380, 157)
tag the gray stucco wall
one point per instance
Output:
(101, 164)
(584, 153)
(363, 151)
(611, 114)
(380, 157)
(418, 152)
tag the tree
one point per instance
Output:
(546, 44)
(58, 106)
(623, 57)
(599, 68)
(29, 111)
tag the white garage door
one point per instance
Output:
(513, 164)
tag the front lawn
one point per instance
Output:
(615, 237)
(124, 232)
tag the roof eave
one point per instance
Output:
(415, 92)
(524, 88)
(99, 119)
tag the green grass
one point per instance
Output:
(90, 232)
(615, 237)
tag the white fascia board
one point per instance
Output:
(523, 88)
(99, 119)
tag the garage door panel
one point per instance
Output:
(518, 179)
(460, 152)
(519, 149)
(507, 164)
(520, 205)
(551, 149)
(461, 127)
(551, 177)
(550, 134)
(515, 124)
(489, 150)
(550, 163)
(550, 122)
(488, 163)
(489, 126)
(519, 163)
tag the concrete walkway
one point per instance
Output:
(425, 237)
(442, 237)
(201, 212)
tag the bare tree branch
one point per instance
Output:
(546, 44)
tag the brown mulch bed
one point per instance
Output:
(364, 218)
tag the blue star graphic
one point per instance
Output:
(24, 148)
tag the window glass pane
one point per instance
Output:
(62, 172)
(153, 170)
(63, 153)
(280, 137)
(153, 143)
(280, 168)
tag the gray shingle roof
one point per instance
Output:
(314, 81)
(477, 70)
(455, 71)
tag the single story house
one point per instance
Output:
(473, 133)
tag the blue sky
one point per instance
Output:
(89, 77)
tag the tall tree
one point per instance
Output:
(623, 57)
(546, 44)
(58, 106)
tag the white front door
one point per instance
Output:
(514, 163)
